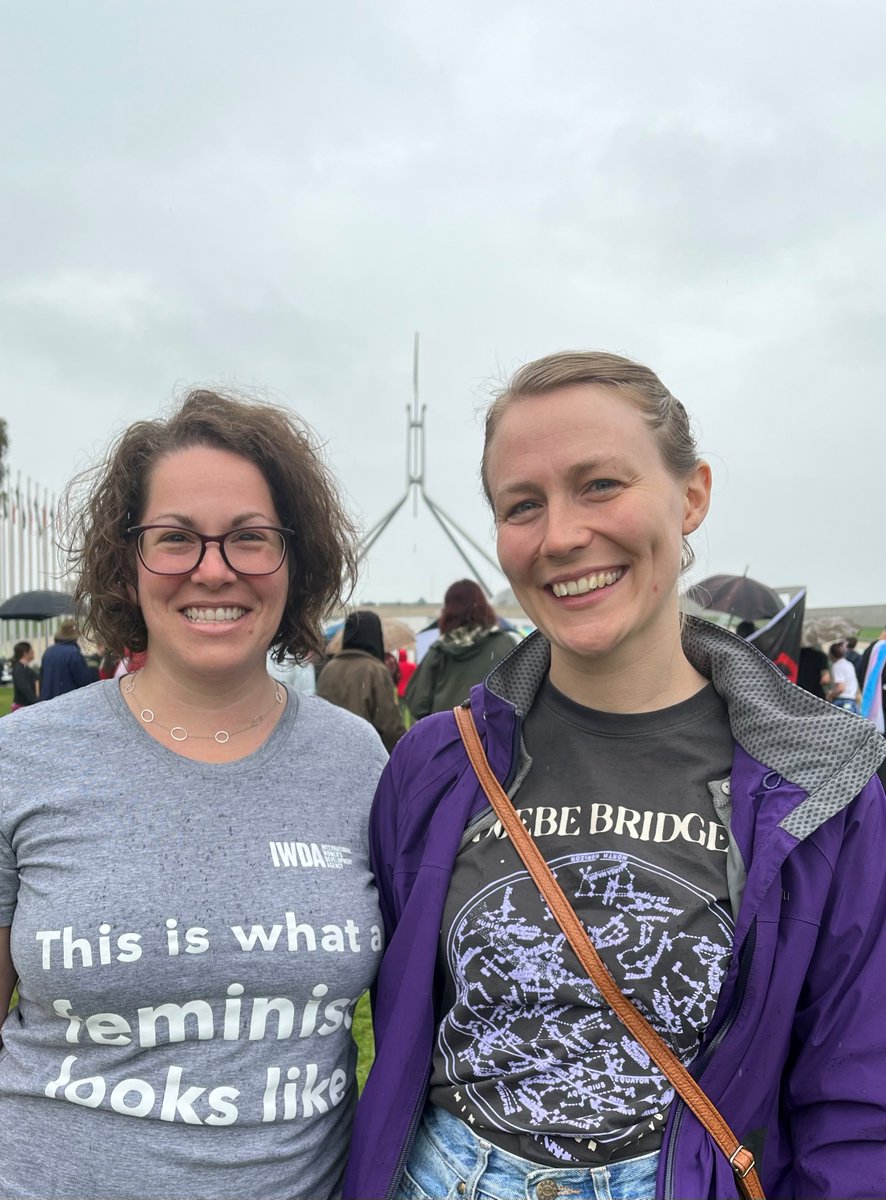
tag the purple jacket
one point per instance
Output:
(795, 1055)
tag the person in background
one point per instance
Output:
(393, 665)
(471, 642)
(719, 832)
(407, 670)
(93, 659)
(814, 671)
(744, 629)
(357, 679)
(853, 655)
(844, 690)
(298, 675)
(185, 894)
(63, 668)
(25, 684)
(872, 678)
(109, 664)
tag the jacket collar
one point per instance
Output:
(825, 752)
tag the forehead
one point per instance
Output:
(578, 422)
(200, 477)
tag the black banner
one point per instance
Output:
(780, 638)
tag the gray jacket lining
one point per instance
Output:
(828, 753)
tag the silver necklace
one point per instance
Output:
(178, 733)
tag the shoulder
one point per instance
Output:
(430, 750)
(320, 719)
(352, 660)
(334, 754)
(828, 753)
(63, 716)
(54, 738)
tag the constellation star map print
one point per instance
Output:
(529, 1043)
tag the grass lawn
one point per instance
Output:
(363, 1038)
(5, 700)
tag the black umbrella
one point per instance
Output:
(735, 594)
(37, 606)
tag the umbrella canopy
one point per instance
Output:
(37, 606)
(737, 595)
(396, 635)
(828, 629)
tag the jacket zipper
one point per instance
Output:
(704, 1059)
(414, 1122)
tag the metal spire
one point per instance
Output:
(416, 446)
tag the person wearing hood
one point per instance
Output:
(471, 642)
(358, 680)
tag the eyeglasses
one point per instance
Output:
(172, 550)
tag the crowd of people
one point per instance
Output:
(203, 868)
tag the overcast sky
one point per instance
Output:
(277, 194)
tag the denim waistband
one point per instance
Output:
(487, 1170)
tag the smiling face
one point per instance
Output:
(213, 621)
(590, 524)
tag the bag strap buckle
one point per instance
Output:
(737, 1164)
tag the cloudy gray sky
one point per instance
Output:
(275, 195)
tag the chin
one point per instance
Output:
(592, 648)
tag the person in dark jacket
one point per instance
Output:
(471, 642)
(24, 677)
(63, 668)
(358, 680)
(718, 831)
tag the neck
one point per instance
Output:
(205, 701)
(656, 676)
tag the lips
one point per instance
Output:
(587, 583)
(215, 616)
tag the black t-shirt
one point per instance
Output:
(527, 1051)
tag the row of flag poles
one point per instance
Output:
(30, 557)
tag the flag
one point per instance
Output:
(781, 637)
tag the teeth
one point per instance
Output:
(215, 615)
(587, 583)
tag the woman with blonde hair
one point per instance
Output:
(715, 831)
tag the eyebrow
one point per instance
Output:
(188, 522)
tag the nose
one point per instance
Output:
(567, 529)
(213, 571)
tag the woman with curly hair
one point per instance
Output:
(185, 896)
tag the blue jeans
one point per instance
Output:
(450, 1162)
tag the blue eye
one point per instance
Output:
(520, 509)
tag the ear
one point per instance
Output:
(696, 497)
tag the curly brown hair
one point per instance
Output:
(103, 502)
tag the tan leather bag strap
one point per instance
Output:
(740, 1158)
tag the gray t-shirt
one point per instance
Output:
(192, 940)
(528, 1052)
